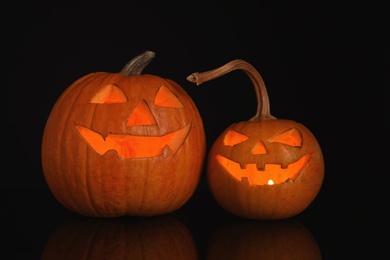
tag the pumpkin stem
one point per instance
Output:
(263, 107)
(137, 64)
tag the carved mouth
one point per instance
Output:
(132, 146)
(270, 174)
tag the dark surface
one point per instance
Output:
(326, 67)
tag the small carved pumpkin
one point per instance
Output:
(279, 239)
(162, 237)
(263, 168)
(123, 144)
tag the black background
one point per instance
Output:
(326, 67)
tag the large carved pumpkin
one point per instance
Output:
(162, 237)
(263, 168)
(123, 144)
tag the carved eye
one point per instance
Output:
(109, 94)
(232, 138)
(165, 98)
(291, 137)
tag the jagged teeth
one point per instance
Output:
(284, 165)
(242, 165)
(260, 167)
(245, 180)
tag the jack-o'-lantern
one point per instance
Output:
(162, 237)
(253, 239)
(123, 144)
(263, 168)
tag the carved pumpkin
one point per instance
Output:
(263, 168)
(162, 237)
(280, 239)
(123, 144)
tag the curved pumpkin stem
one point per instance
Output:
(137, 64)
(263, 107)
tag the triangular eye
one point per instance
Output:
(109, 94)
(290, 137)
(165, 98)
(232, 138)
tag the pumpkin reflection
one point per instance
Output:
(148, 238)
(281, 239)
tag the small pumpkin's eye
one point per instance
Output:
(292, 137)
(165, 98)
(109, 94)
(232, 138)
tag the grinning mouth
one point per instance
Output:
(131, 146)
(271, 174)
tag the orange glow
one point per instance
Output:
(272, 172)
(165, 98)
(130, 146)
(232, 138)
(290, 137)
(109, 94)
(141, 115)
(259, 148)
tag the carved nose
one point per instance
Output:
(259, 148)
(141, 115)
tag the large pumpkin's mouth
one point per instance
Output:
(132, 146)
(269, 175)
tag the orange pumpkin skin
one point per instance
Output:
(263, 168)
(117, 181)
(278, 201)
(162, 237)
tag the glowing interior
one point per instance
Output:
(290, 137)
(259, 148)
(271, 174)
(165, 98)
(109, 94)
(141, 115)
(131, 146)
(232, 138)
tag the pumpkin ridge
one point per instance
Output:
(116, 186)
(66, 153)
(91, 197)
